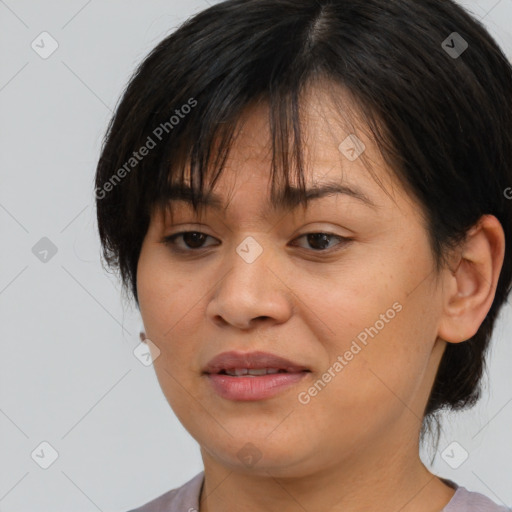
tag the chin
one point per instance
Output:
(258, 455)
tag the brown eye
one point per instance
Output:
(192, 240)
(319, 242)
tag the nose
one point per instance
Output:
(251, 291)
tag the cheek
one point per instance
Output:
(167, 303)
(164, 294)
(378, 341)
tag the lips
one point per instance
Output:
(251, 364)
(251, 376)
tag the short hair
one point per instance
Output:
(432, 84)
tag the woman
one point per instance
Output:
(307, 200)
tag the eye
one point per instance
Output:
(320, 241)
(194, 241)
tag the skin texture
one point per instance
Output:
(354, 446)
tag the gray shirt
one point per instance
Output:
(186, 499)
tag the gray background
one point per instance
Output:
(68, 375)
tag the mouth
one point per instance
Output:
(237, 364)
(253, 372)
(252, 375)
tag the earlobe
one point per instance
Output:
(472, 282)
(142, 334)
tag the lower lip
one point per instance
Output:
(253, 388)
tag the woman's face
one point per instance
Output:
(359, 315)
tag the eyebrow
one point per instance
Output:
(290, 198)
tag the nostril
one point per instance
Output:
(262, 318)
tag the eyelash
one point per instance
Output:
(170, 242)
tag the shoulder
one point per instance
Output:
(470, 501)
(180, 499)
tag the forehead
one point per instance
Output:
(337, 151)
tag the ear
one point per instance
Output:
(142, 334)
(471, 286)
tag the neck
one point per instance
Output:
(381, 477)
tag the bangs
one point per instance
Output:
(195, 159)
